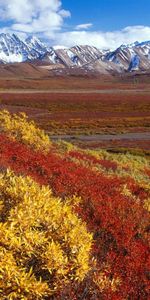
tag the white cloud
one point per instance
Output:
(83, 26)
(46, 19)
(33, 16)
(65, 13)
(100, 39)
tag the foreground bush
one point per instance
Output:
(43, 244)
(113, 209)
(50, 257)
(19, 128)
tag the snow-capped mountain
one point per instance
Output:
(85, 54)
(75, 56)
(34, 43)
(132, 57)
(13, 49)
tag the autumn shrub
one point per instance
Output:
(19, 128)
(117, 218)
(114, 207)
(105, 163)
(43, 244)
(147, 171)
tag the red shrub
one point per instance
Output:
(147, 171)
(105, 163)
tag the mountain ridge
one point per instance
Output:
(126, 58)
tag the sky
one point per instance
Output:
(101, 23)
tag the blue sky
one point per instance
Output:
(103, 23)
(109, 14)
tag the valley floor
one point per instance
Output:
(84, 107)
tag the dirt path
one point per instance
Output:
(76, 91)
(143, 136)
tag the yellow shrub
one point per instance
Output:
(19, 128)
(104, 282)
(15, 282)
(147, 204)
(44, 245)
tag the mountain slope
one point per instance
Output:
(131, 57)
(13, 49)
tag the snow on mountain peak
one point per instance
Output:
(13, 49)
(59, 47)
(36, 43)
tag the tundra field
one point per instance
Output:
(76, 108)
(74, 197)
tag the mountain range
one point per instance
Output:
(126, 58)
